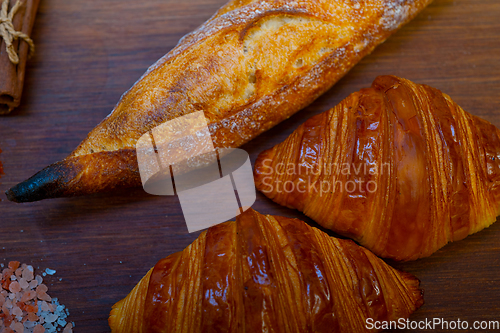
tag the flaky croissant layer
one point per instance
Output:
(266, 274)
(398, 167)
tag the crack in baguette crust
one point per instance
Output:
(252, 65)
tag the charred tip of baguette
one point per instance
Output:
(46, 184)
(80, 175)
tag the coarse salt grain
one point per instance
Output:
(28, 273)
(28, 296)
(23, 283)
(32, 316)
(14, 287)
(25, 306)
(39, 329)
(13, 265)
(18, 327)
(16, 311)
(33, 284)
(68, 328)
(45, 306)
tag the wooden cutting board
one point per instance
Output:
(89, 52)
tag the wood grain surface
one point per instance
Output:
(89, 52)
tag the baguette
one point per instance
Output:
(252, 65)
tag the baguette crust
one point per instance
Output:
(249, 67)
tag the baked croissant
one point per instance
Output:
(398, 167)
(252, 65)
(267, 274)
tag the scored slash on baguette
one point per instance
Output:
(252, 65)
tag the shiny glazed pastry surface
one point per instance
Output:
(252, 65)
(266, 274)
(398, 167)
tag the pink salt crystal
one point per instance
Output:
(14, 287)
(33, 284)
(5, 309)
(28, 273)
(45, 306)
(16, 311)
(23, 283)
(32, 307)
(7, 320)
(8, 330)
(41, 288)
(32, 316)
(29, 295)
(13, 265)
(39, 329)
(18, 327)
(68, 328)
(19, 272)
(2, 300)
(44, 297)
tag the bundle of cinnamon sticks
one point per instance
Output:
(12, 74)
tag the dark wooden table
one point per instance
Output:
(89, 52)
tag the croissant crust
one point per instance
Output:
(267, 274)
(398, 167)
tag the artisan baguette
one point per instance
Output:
(249, 67)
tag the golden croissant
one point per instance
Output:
(398, 167)
(252, 65)
(267, 274)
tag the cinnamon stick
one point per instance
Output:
(1, 166)
(12, 75)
